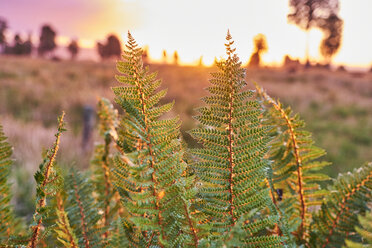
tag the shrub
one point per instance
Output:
(253, 183)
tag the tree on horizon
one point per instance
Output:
(73, 49)
(47, 40)
(175, 58)
(332, 39)
(165, 56)
(260, 47)
(112, 47)
(3, 28)
(308, 14)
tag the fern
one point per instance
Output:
(365, 231)
(231, 164)
(101, 166)
(83, 211)
(338, 215)
(48, 184)
(296, 166)
(64, 232)
(254, 182)
(150, 178)
(8, 224)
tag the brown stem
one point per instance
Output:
(64, 221)
(231, 154)
(82, 215)
(193, 231)
(150, 149)
(42, 202)
(106, 172)
(298, 159)
(276, 229)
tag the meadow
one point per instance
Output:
(336, 105)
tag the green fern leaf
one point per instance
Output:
(48, 182)
(339, 212)
(102, 164)
(65, 234)
(231, 165)
(365, 231)
(83, 212)
(9, 223)
(149, 176)
(295, 166)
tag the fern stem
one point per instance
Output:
(195, 236)
(276, 228)
(42, 202)
(65, 222)
(106, 172)
(297, 155)
(343, 208)
(230, 137)
(152, 236)
(82, 215)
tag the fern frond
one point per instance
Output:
(64, 232)
(296, 165)
(48, 183)
(338, 215)
(101, 165)
(8, 220)
(365, 231)
(231, 165)
(82, 211)
(149, 175)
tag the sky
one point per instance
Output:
(193, 27)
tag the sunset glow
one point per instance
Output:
(194, 28)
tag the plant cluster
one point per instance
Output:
(254, 182)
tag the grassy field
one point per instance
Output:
(335, 105)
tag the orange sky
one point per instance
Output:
(194, 27)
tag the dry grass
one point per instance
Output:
(335, 105)
(31, 139)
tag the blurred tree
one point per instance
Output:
(27, 46)
(311, 13)
(112, 48)
(260, 47)
(101, 50)
(3, 27)
(332, 29)
(175, 58)
(18, 45)
(73, 49)
(165, 57)
(47, 40)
